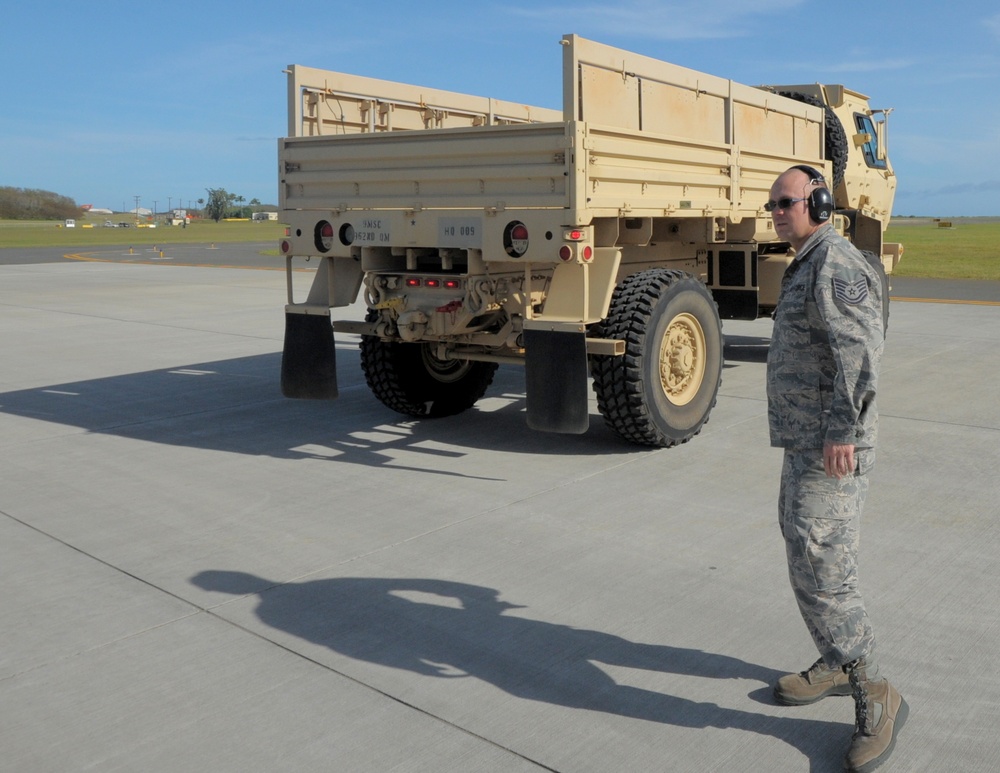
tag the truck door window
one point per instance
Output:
(869, 148)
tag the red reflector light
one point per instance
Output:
(413, 282)
(588, 253)
(565, 252)
(452, 284)
(432, 283)
(286, 247)
(575, 235)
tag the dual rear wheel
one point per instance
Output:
(660, 393)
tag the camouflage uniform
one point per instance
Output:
(822, 372)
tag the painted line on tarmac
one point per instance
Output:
(944, 300)
(89, 257)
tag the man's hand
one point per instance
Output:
(838, 459)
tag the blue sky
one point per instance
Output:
(103, 102)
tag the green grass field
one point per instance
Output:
(970, 249)
(19, 233)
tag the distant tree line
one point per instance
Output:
(29, 204)
(221, 204)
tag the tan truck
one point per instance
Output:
(606, 240)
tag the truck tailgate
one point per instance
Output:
(527, 165)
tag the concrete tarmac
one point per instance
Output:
(201, 575)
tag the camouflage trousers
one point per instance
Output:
(820, 519)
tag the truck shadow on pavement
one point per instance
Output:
(453, 630)
(236, 406)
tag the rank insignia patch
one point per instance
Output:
(850, 292)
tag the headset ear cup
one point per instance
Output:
(820, 201)
(820, 205)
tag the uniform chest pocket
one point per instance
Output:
(793, 306)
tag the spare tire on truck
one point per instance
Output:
(660, 393)
(835, 139)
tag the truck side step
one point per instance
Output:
(309, 361)
(556, 379)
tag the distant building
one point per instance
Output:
(264, 216)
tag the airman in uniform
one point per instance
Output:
(822, 379)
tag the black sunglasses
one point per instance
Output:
(780, 204)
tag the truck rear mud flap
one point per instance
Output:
(309, 361)
(556, 380)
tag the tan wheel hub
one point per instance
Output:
(682, 359)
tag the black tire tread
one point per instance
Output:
(835, 140)
(618, 380)
(396, 377)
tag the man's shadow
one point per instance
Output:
(452, 630)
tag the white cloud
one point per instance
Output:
(710, 19)
(993, 25)
(872, 65)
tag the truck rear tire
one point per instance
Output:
(409, 379)
(660, 393)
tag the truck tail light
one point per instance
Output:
(515, 238)
(324, 236)
(433, 282)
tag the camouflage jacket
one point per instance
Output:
(823, 361)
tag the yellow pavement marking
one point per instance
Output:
(165, 262)
(944, 300)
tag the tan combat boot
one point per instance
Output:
(880, 712)
(812, 685)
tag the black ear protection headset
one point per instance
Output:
(820, 199)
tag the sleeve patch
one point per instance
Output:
(849, 292)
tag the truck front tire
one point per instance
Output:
(660, 393)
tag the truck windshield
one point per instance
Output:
(869, 148)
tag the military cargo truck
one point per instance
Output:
(603, 243)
